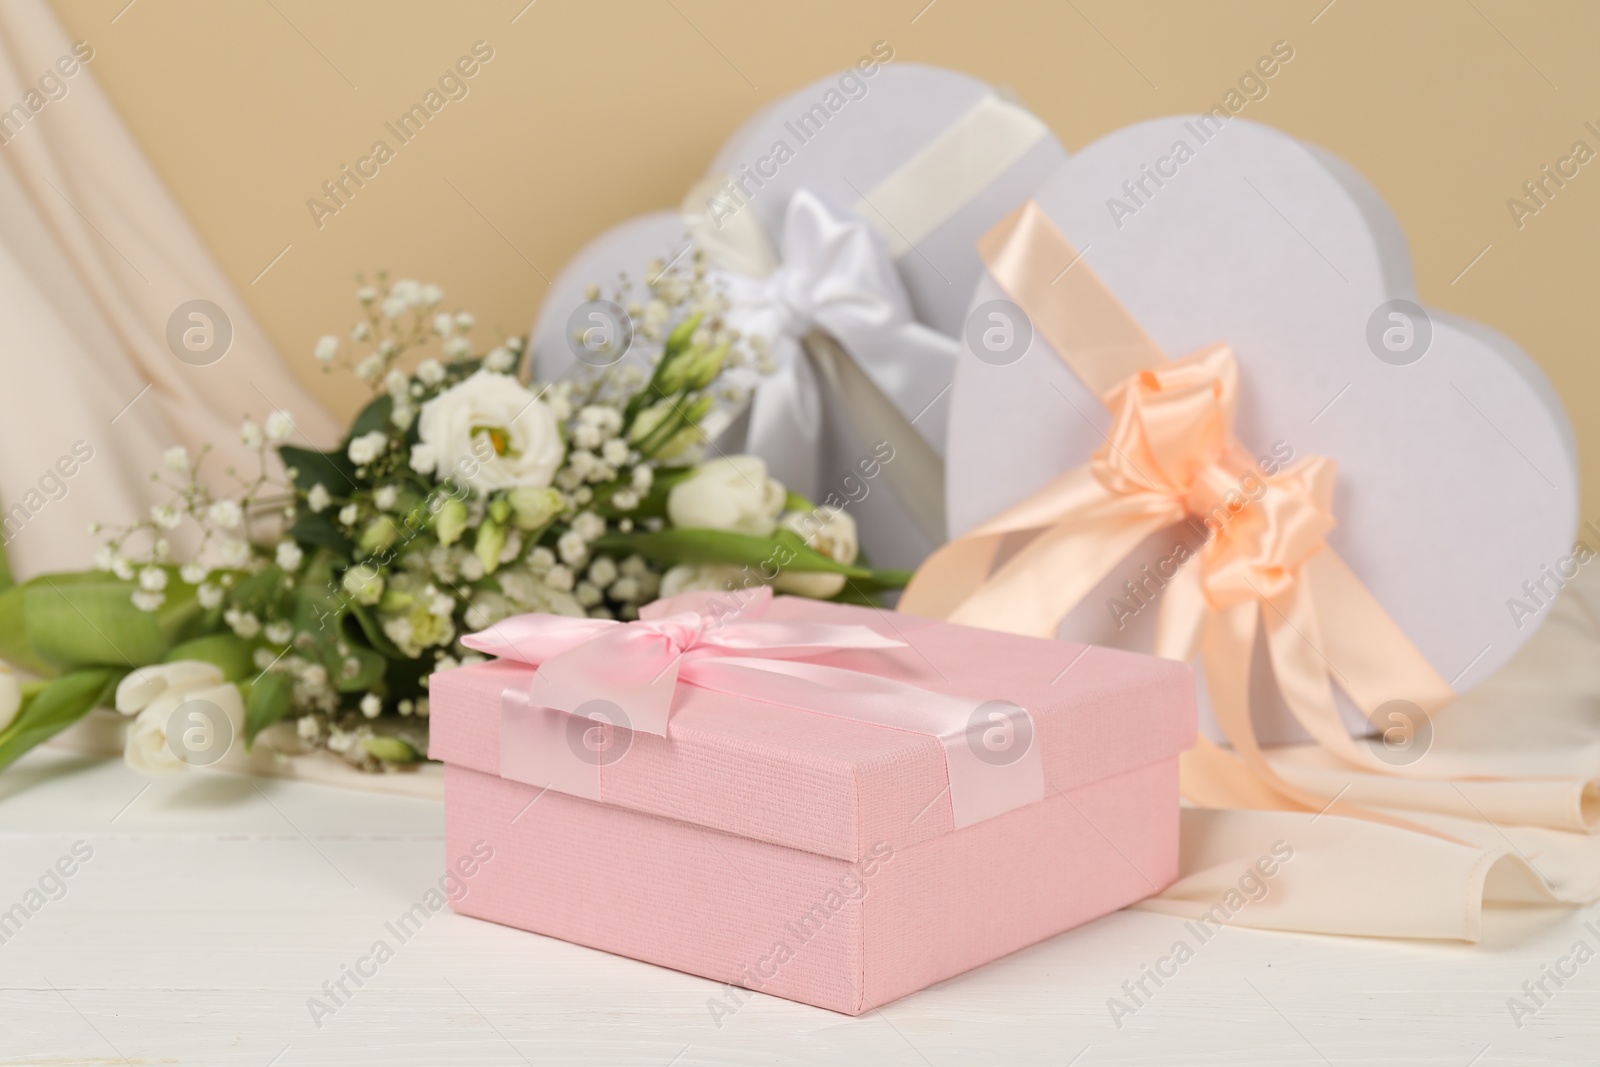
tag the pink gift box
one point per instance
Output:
(817, 858)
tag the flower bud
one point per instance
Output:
(534, 507)
(451, 522)
(491, 540)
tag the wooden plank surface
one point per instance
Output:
(213, 908)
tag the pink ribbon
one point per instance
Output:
(625, 675)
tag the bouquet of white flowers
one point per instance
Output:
(308, 607)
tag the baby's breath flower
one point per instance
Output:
(318, 498)
(371, 705)
(430, 372)
(559, 578)
(152, 579)
(327, 348)
(279, 632)
(176, 458)
(289, 555)
(226, 514)
(249, 434)
(149, 601)
(209, 595)
(280, 426)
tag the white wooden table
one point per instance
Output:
(213, 907)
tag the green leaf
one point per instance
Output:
(317, 528)
(795, 502)
(374, 632)
(266, 703)
(16, 647)
(6, 580)
(674, 545)
(85, 620)
(390, 749)
(333, 469)
(367, 676)
(375, 416)
(228, 651)
(55, 707)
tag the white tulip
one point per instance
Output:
(520, 429)
(147, 750)
(731, 493)
(145, 684)
(708, 577)
(830, 531)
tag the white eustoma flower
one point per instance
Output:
(368, 447)
(831, 531)
(731, 493)
(280, 426)
(10, 696)
(518, 433)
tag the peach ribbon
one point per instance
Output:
(1171, 454)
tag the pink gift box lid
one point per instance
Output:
(834, 786)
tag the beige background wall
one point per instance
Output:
(595, 110)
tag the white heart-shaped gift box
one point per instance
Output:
(928, 159)
(1456, 495)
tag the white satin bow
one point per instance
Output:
(835, 314)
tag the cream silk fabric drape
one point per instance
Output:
(95, 256)
(1515, 765)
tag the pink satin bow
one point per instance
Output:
(717, 641)
(637, 666)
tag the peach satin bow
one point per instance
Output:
(1171, 455)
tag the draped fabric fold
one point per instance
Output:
(95, 257)
(1263, 569)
